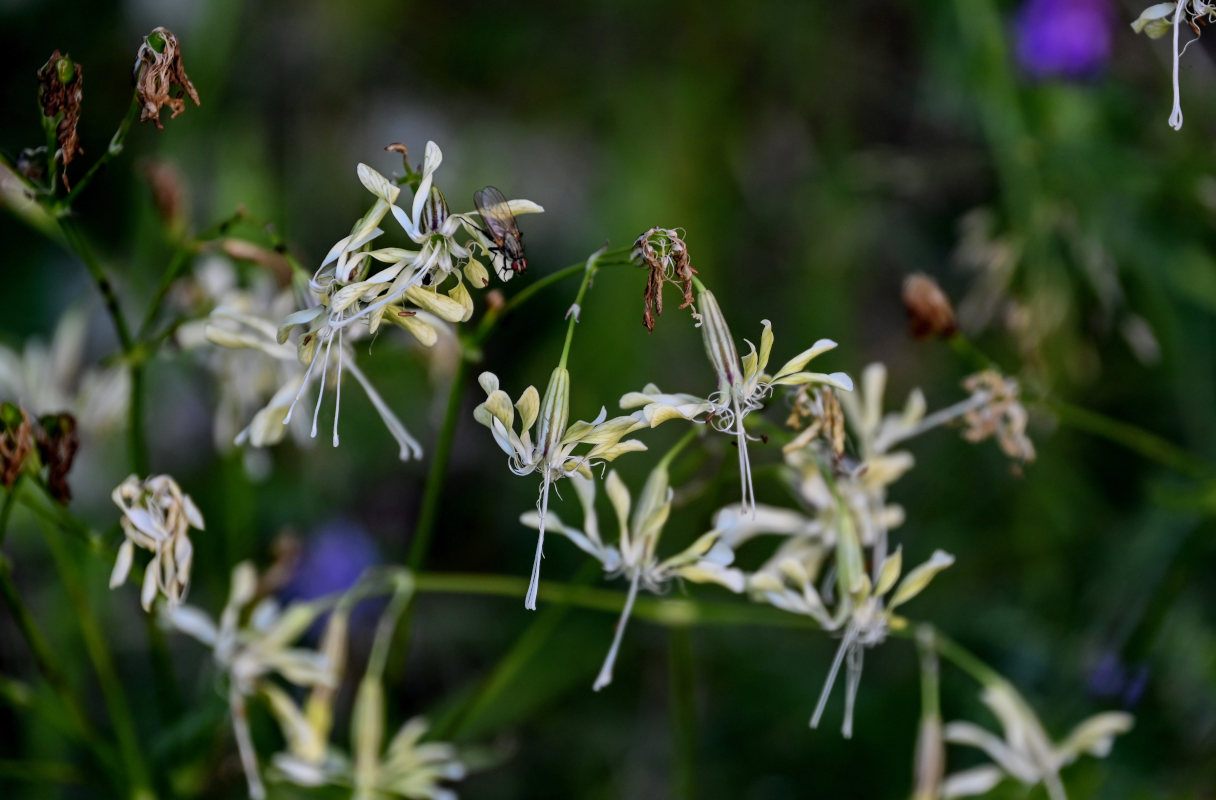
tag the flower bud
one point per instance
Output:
(554, 413)
(719, 344)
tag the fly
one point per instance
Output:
(508, 247)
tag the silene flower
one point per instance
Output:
(545, 443)
(634, 556)
(156, 516)
(1026, 753)
(250, 644)
(743, 385)
(421, 290)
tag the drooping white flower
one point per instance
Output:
(743, 385)
(545, 443)
(252, 645)
(50, 378)
(634, 555)
(156, 516)
(1026, 753)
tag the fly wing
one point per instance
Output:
(496, 214)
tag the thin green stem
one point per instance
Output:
(116, 145)
(666, 611)
(1144, 443)
(76, 241)
(137, 443)
(6, 511)
(683, 713)
(576, 309)
(98, 649)
(424, 530)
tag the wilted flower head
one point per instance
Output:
(57, 445)
(16, 443)
(545, 443)
(158, 69)
(1065, 38)
(156, 516)
(60, 90)
(1026, 753)
(999, 413)
(664, 253)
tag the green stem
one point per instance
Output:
(1149, 445)
(6, 511)
(137, 443)
(576, 309)
(424, 530)
(116, 145)
(103, 664)
(75, 240)
(666, 611)
(683, 713)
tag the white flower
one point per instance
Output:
(707, 560)
(251, 648)
(235, 329)
(1026, 753)
(743, 386)
(551, 451)
(49, 379)
(156, 516)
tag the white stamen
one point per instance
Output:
(845, 645)
(534, 583)
(338, 390)
(1176, 115)
(605, 676)
(329, 343)
(303, 385)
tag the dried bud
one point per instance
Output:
(816, 412)
(243, 250)
(60, 90)
(168, 192)
(159, 68)
(929, 310)
(495, 300)
(16, 442)
(664, 252)
(57, 444)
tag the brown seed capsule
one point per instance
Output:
(60, 90)
(929, 310)
(159, 68)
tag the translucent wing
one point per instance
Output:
(497, 215)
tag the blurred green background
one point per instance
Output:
(815, 153)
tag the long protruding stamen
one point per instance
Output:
(338, 390)
(845, 644)
(1176, 115)
(605, 676)
(303, 385)
(748, 501)
(316, 412)
(852, 681)
(534, 584)
(244, 744)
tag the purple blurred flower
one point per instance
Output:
(1069, 39)
(1113, 679)
(331, 561)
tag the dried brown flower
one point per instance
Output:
(16, 442)
(159, 68)
(816, 412)
(1000, 415)
(60, 90)
(929, 310)
(664, 252)
(57, 445)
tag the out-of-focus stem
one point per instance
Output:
(683, 713)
